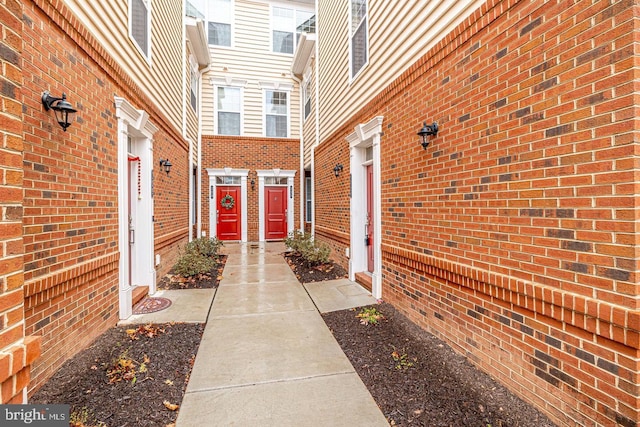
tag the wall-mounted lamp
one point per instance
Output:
(62, 108)
(253, 184)
(166, 165)
(337, 170)
(426, 131)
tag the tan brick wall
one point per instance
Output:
(71, 186)
(513, 236)
(252, 154)
(17, 351)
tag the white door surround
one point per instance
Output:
(213, 203)
(262, 174)
(366, 136)
(135, 141)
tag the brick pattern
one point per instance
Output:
(512, 236)
(253, 154)
(70, 219)
(17, 351)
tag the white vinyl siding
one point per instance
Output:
(399, 32)
(252, 60)
(276, 113)
(359, 36)
(140, 25)
(220, 26)
(161, 79)
(229, 110)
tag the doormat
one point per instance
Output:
(151, 305)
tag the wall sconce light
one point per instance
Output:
(426, 131)
(337, 170)
(61, 107)
(166, 165)
(253, 184)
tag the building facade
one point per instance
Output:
(512, 235)
(99, 220)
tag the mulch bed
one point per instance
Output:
(319, 273)
(417, 380)
(99, 382)
(172, 281)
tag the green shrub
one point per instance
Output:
(204, 246)
(313, 252)
(200, 256)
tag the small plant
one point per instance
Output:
(205, 246)
(304, 245)
(369, 316)
(200, 256)
(401, 359)
(82, 417)
(125, 368)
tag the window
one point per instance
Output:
(275, 180)
(277, 113)
(306, 89)
(195, 80)
(307, 195)
(359, 42)
(140, 25)
(229, 106)
(285, 24)
(228, 180)
(220, 22)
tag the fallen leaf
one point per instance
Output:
(170, 406)
(168, 382)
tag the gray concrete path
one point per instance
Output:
(267, 358)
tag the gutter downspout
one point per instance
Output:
(300, 129)
(317, 118)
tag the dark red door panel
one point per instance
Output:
(275, 213)
(228, 217)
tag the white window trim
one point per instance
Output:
(146, 56)
(352, 78)
(281, 87)
(209, 13)
(227, 82)
(306, 96)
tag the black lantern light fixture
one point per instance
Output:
(166, 165)
(61, 107)
(426, 131)
(337, 170)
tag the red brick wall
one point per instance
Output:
(512, 236)
(71, 186)
(17, 351)
(253, 154)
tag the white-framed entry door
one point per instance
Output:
(135, 202)
(228, 203)
(275, 200)
(365, 222)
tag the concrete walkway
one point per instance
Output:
(267, 358)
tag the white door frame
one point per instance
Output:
(135, 124)
(365, 136)
(262, 174)
(213, 205)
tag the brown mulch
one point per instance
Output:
(426, 383)
(101, 390)
(173, 281)
(318, 273)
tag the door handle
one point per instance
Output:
(217, 217)
(132, 236)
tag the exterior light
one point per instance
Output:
(61, 107)
(337, 170)
(166, 165)
(426, 131)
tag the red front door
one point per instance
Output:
(369, 226)
(275, 213)
(228, 213)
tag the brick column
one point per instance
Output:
(17, 352)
